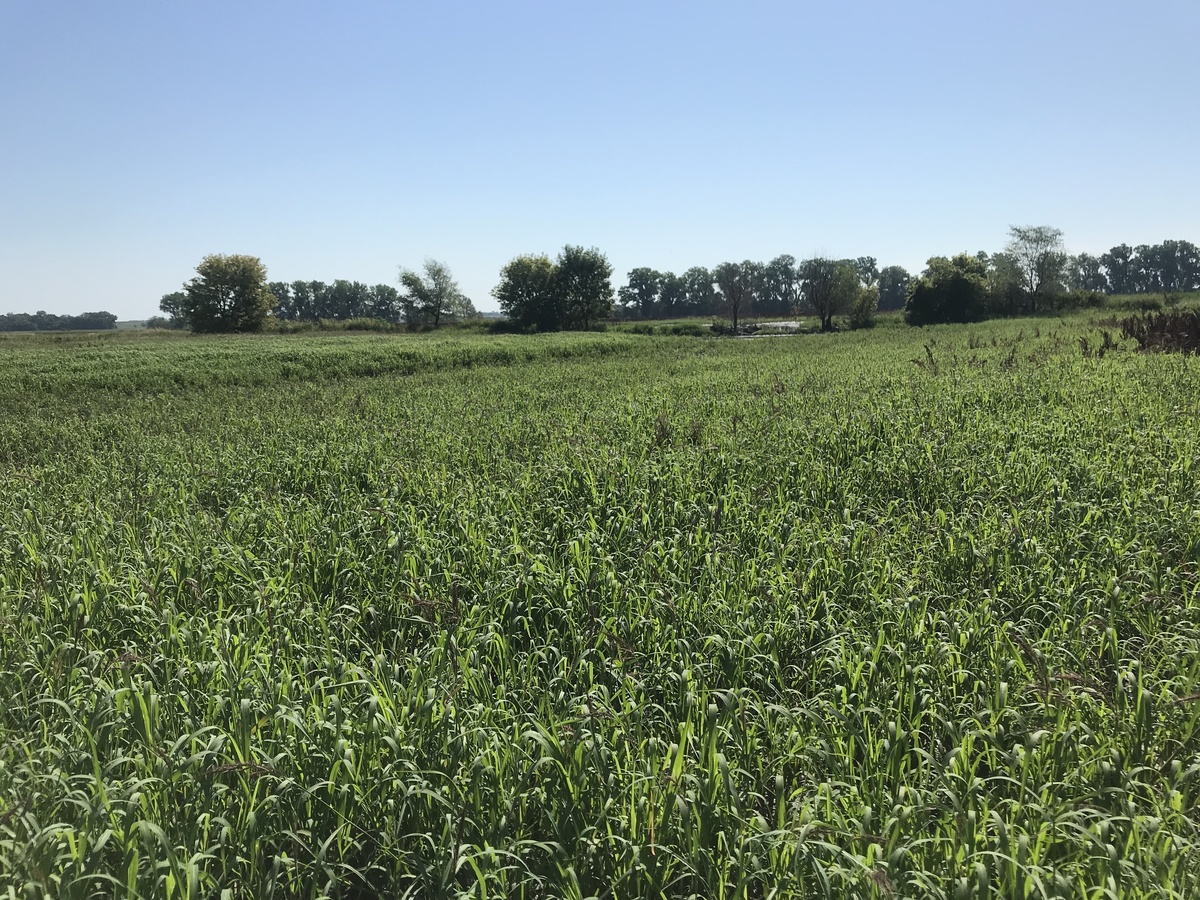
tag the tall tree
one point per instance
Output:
(1005, 283)
(303, 302)
(737, 283)
(949, 290)
(1170, 266)
(428, 298)
(583, 285)
(384, 303)
(1118, 265)
(228, 293)
(672, 295)
(1086, 273)
(640, 295)
(526, 292)
(1187, 257)
(1038, 250)
(893, 287)
(780, 293)
(829, 287)
(701, 297)
(175, 305)
(867, 268)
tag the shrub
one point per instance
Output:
(866, 304)
(949, 290)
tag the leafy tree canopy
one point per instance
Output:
(829, 287)
(432, 297)
(575, 291)
(949, 290)
(228, 294)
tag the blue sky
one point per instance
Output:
(345, 139)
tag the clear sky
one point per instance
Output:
(345, 139)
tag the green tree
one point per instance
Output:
(893, 287)
(1118, 266)
(737, 284)
(1005, 284)
(227, 294)
(429, 298)
(175, 305)
(867, 268)
(700, 296)
(526, 293)
(640, 295)
(1086, 273)
(780, 294)
(949, 290)
(384, 303)
(866, 304)
(829, 287)
(672, 295)
(281, 299)
(1038, 251)
(583, 285)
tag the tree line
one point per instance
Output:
(1033, 273)
(44, 321)
(1169, 267)
(430, 298)
(231, 293)
(781, 287)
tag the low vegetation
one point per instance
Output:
(890, 613)
(1177, 330)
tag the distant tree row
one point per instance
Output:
(428, 298)
(44, 321)
(781, 287)
(1031, 274)
(1035, 274)
(231, 293)
(1171, 266)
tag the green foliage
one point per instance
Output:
(583, 287)
(1038, 254)
(886, 614)
(44, 321)
(526, 293)
(949, 290)
(315, 301)
(893, 287)
(779, 287)
(228, 294)
(175, 305)
(639, 296)
(573, 292)
(829, 287)
(737, 284)
(430, 298)
(866, 305)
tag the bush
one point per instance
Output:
(949, 290)
(866, 304)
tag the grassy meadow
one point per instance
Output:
(901, 613)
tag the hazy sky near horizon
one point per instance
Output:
(343, 140)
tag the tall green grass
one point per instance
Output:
(901, 614)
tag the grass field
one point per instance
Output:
(907, 613)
